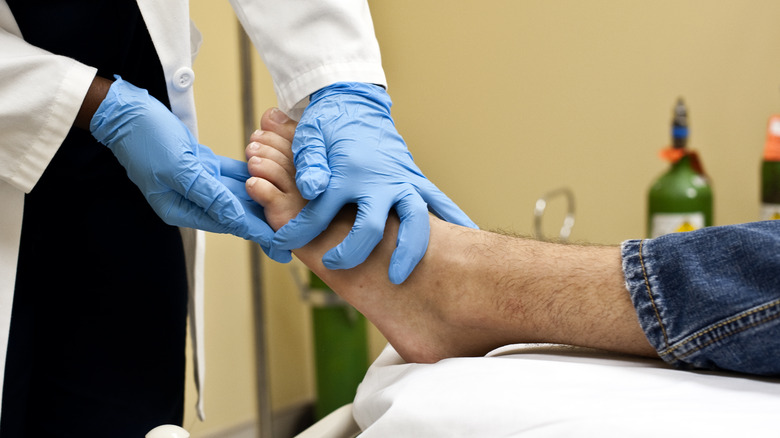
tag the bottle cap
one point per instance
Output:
(672, 154)
(772, 147)
(677, 149)
(680, 125)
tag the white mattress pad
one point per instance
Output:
(541, 390)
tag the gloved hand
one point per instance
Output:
(233, 174)
(346, 150)
(178, 177)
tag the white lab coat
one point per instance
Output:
(306, 44)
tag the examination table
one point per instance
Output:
(541, 390)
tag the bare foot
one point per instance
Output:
(472, 291)
(270, 163)
(425, 318)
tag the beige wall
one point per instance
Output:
(501, 101)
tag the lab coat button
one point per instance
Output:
(182, 79)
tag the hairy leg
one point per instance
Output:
(473, 291)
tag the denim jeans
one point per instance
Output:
(710, 298)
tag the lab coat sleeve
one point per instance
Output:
(309, 44)
(40, 95)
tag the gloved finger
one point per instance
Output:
(311, 160)
(208, 159)
(313, 219)
(277, 255)
(202, 150)
(175, 210)
(252, 208)
(214, 199)
(254, 227)
(442, 206)
(413, 236)
(236, 187)
(235, 169)
(365, 234)
(257, 230)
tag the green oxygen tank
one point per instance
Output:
(681, 198)
(340, 348)
(770, 172)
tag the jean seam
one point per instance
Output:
(650, 295)
(721, 324)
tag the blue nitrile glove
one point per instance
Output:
(234, 174)
(347, 150)
(178, 177)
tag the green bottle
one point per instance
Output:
(770, 172)
(340, 350)
(680, 199)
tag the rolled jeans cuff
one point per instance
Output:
(710, 298)
(647, 302)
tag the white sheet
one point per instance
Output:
(559, 391)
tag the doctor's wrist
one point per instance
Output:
(95, 95)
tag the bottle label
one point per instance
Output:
(665, 223)
(770, 211)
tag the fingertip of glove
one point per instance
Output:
(333, 260)
(281, 242)
(457, 218)
(330, 261)
(401, 265)
(280, 256)
(312, 183)
(398, 274)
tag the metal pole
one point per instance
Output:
(265, 417)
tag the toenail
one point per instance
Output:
(278, 116)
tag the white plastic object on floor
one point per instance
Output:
(168, 431)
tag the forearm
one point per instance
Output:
(95, 95)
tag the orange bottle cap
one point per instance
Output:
(671, 155)
(772, 147)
